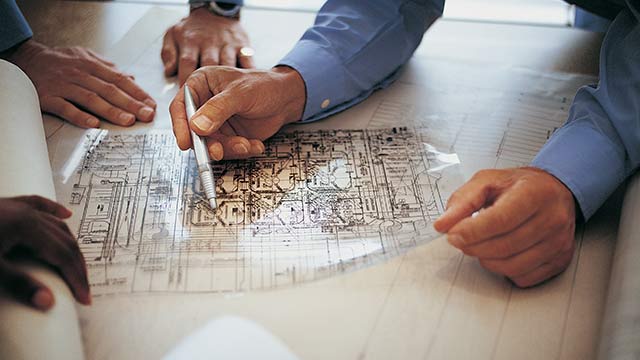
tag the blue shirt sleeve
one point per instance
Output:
(357, 47)
(14, 29)
(599, 146)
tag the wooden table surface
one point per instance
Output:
(413, 306)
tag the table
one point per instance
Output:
(428, 303)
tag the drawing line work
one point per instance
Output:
(509, 128)
(314, 204)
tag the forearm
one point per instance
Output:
(355, 48)
(599, 146)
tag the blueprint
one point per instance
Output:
(314, 204)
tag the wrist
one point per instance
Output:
(21, 54)
(294, 90)
(232, 10)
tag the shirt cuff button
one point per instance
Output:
(325, 103)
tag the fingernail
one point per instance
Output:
(127, 119)
(203, 123)
(150, 102)
(42, 299)
(455, 240)
(146, 113)
(240, 149)
(91, 122)
(261, 147)
(216, 151)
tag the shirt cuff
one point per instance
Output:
(586, 162)
(15, 28)
(322, 75)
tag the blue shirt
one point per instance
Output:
(13, 27)
(356, 47)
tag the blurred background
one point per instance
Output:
(538, 12)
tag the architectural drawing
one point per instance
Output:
(316, 203)
(507, 129)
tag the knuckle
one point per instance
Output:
(91, 97)
(113, 112)
(504, 249)
(563, 216)
(110, 90)
(187, 59)
(119, 78)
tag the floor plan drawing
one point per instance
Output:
(315, 203)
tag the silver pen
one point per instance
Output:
(202, 154)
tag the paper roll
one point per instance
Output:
(620, 332)
(26, 333)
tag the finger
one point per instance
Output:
(512, 208)
(216, 150)
(257, 147)
(234, 147)
(169, 53)
(24, 287)
(62, 253)
(45, 205)
(544, 271)
(215, 112)
(187, 63)
(503, 246)
(68, 241)
(97, 105)
(117, 97)
(245, 58)
(468, 199)
(228, 56)
(100, 58)
(179, 121)
(530, 259)
(123, 82)
(67, 111)
(210, 56)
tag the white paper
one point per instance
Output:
(26, 333)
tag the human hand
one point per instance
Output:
(238, 108)
(203, 39)
(79, 86)
(524, 226)
(32, 226)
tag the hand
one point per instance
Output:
(79, 86)
(239, 108)
(524, 227)
(203, 39)
(32, 226)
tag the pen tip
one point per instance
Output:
(213, 204)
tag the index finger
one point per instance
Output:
(179, 121)
(513, 207)
(45, 205)
(200, 92)
(123, 82)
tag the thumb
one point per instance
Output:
(468, 199)
(215, 112)
(25, 288)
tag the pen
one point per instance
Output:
(202, 155)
